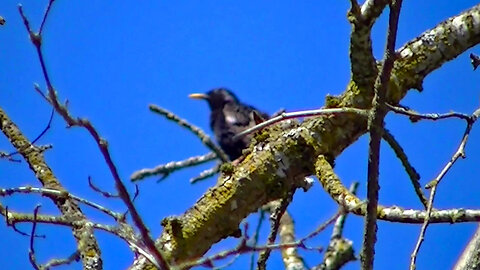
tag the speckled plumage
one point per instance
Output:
(229, 117)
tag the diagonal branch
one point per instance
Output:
(412, 173)
(470, 256)
(277, 213)
(433, 48)
(435, 182)
(36, 39)
(363, 63)
(86, 242)
(261, 177)
(165, 169)
(194, 129)
(375, 126)
(351, 203)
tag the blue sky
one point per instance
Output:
(112, 60)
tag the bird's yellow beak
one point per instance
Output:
(198, 96)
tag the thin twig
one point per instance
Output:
(57, 262)
(134, 197)
(275, 217)
(256, 235)
(8, 156)
(97, 189)
(206, 174)
(165, 170)
(12, 223)
(340, 222)
(40, 92)
(435, 182)
(36, 39)
(340, 194)
(375, 125)
(412, 173)
(244, 247)
(31, 251)
(49, 123)
(47, 127)
(340, 250)
(123, 231)
(47, 10)
(60, 195)
(194, 129)
(86, 241)
(299, 114)
(323, 226)
(102, 144)
(423, 230)
(227, 264)
(415, 116)
(459, 153)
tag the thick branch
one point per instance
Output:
(470, 258)
(375, 127)
(280, 159)
(436, 46)
(363, 64)
(86, 242)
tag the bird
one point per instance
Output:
(228, 117)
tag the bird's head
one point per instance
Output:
(217, 98)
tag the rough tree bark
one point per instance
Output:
(279, 161)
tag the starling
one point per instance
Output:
(229, 117)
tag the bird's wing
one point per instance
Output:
(237, 115)
(241, 115)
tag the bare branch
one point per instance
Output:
(52, 263)
(415, 116)
(375, 126)
(412, 173)
(340, 250)
(97, 189)
(102, 144)
(75, 257)
(285, 116)
(31, 251)
(433, 48)
(194, 129)
(165, 170)
(244, 247)
(256, 235)
(434, 184)
(59, 195)
(122, 230)
(275, 218)
(351, 203)
(47, 10)
(340, 222)
(470, 258)
(47, 127)
(206, 174)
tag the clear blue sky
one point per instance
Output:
(110, 60)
